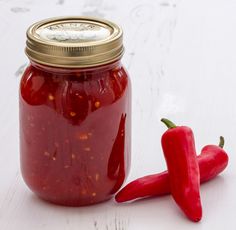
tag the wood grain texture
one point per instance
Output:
(181, 59)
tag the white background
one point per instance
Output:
(181, 56)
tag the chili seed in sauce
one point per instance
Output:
(97, 104)
(72, 114)
(51, 97)
(87, 149)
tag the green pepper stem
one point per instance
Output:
(168, 123)
(222, 142)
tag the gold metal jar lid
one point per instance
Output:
(74, 42)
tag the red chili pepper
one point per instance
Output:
(181, 159)
(212, 161)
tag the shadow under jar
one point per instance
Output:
(75, 111)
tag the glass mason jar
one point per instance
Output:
(75, 111)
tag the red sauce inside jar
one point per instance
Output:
(75, 132)
(75, 111)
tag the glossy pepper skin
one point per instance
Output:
(212, 161)
(179, 150)
(218, 156)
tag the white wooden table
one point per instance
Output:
(181, 56)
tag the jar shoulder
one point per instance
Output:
(40, 85)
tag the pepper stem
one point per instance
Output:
(222, 142)
(168, 123)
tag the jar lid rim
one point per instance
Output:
(74, 42)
